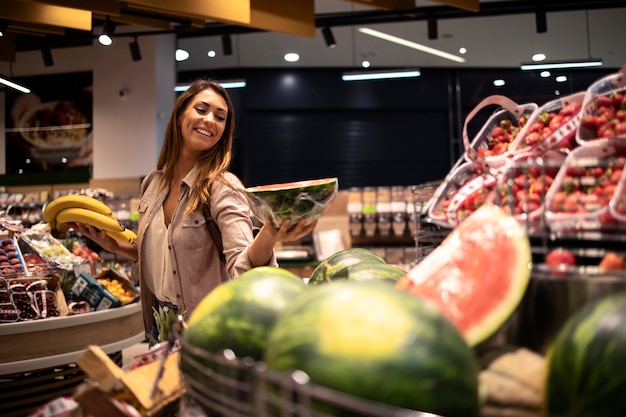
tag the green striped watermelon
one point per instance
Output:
(335, 263)
(586, 362)
(239, 314)
(367, 339)
(366, 271)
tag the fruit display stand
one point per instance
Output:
(37, 358)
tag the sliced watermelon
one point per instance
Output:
(478, 275)
(293, 200)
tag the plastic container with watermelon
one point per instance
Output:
(491, 147)
(603, 113)
(552, 126)
(586, 186)
(466, 188)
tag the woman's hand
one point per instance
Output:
(95, 234)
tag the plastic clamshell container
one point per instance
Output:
(463, 191)
(564, 116)
(583, 189)
(599, 96)
(617, 206)
(508, 112)
(8, 313)
(11, 262)
(524, 183)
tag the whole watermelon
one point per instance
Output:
(366, 271)
(585, 362)
(333, 265)
(239, 314)
(367, 339)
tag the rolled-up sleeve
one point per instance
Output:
(231, 211)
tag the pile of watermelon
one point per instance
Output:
(384, 343)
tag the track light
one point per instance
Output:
(582, 63)
(4, 24)
(379, 75)
(541, 21)
(106, 37)
(432, 28)
(135, 53)
(46, 55)
(227, 45)
(328, 37)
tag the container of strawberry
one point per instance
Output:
(552, 127)
(583, 190)
(491, 147)
(617, 206)
(463, 191)
(604, 109)
(524, 183)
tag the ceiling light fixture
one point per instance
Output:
(181, 54)
(14, 85)
(582, 63)
(541, 21)
(46, 55)
(379, 75)
(432, 28)
(238, 83)
(328, 37)
(4, 24)
(576, 63)
(135, 52)
(291, 57)
(106, 37)
(413, 45)
(227, 45)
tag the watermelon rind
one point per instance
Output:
(585, 362)
(478, 275)
(294, 201)
(367, 271)
(367, 339)
(326, 270)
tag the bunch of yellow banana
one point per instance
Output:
(88, 210)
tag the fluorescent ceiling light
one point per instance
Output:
(11, 84)
(583, 63)
(380, 75)
(225, 84)
(410, 44)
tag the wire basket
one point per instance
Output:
(224, 385)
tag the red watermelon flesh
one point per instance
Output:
(478, 275)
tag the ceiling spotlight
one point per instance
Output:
(181, 54)
(46, 54)
(4, 24)
(135, 53)
(227, 45)
(432, 28)
(106, 37)
(291, 57)
(328, 37)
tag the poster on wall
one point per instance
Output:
(49, 131)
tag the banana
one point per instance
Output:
(82, 215)
(127, 236)
(74, 201)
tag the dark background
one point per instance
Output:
(308, 123)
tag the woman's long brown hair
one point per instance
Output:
(213, 162)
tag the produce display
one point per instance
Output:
(583, 371)
(478, 275)
(24, 299)
(294, 200)
(75, 208)
(11, 263)
(346, 335)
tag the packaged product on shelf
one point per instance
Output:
(50, 249)
(34, 299)
(105, 290)
(11, 264)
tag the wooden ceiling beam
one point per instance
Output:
(293, 17)
(102, 7)
(232, 11)
(46, 14)
(470, 5)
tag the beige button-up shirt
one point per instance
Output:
(196, 267)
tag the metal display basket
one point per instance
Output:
(224, 385)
